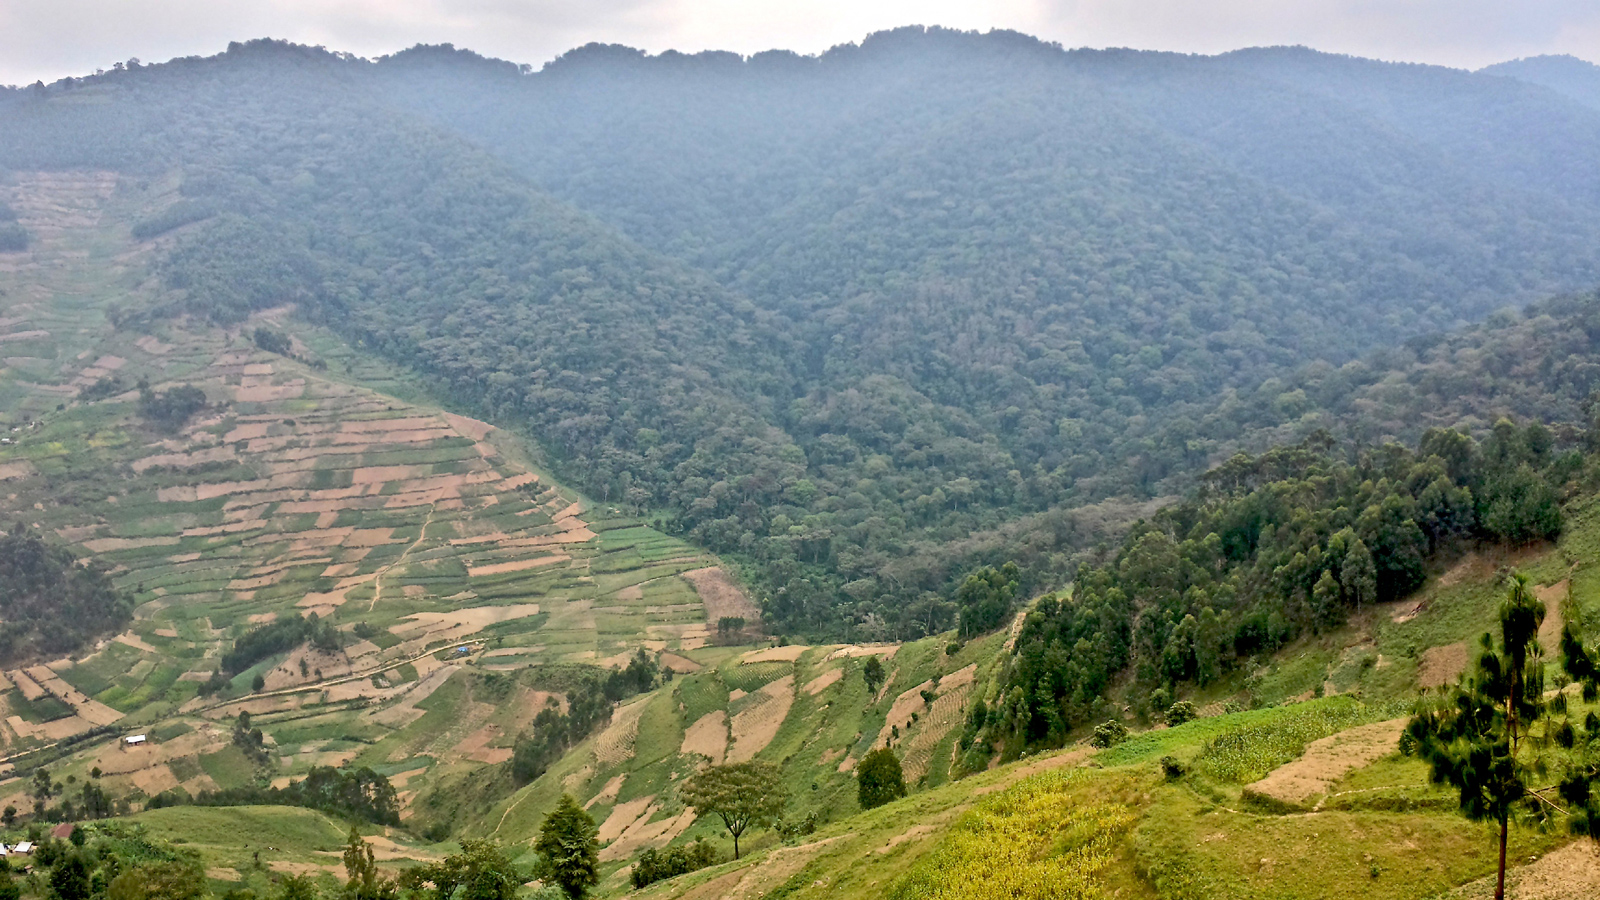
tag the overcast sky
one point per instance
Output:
(47, 39)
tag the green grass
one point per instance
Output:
(228, 767)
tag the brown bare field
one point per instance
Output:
(722, 598)
(622, 816)
(518, 565)
(1441, 665)
(1329, 759)
(822, 682)
(645, 833)
(884, 651)
(775, 654)
(755, 727)
(909, 701)
(459, 623)
(1570, 873)
(708, 736)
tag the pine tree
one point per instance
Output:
(570, 854)
(1475, 736)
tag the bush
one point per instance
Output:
(654, 865)
(1181, 712)
(1108, 733)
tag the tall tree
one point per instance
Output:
(1474, 736)
(743, 795)
(569, 853)
(362, 879)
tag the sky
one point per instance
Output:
(49, 39)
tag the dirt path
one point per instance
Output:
(377, 581)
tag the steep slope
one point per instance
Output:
(303, 484)
(837, 316)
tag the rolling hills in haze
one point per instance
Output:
(441, 436)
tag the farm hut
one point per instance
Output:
(133, 740)
(63, 832)
(24, 848)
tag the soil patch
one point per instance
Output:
(1329, 759)
(708, 737)
(822, 682)
(755, 727)
(1441, 665)
(1570, 873)
(1550, 628)
(722, 598)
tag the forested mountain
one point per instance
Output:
(867, 319)
(1576, 78)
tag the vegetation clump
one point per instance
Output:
(569, 854)
(49, 603)
(879, 779)
(657, 865)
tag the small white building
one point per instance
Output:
(134, 740)
(24, 848)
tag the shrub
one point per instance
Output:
(1108, 733)
(1181, 712)
(656, 865)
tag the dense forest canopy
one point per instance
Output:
(868, 320)
(1269, 549)
(49, 603)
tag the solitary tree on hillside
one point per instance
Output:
(569, 853)
(1474, 737)
(879, 779)
(743, 795)
(362, 879)
(873, 673)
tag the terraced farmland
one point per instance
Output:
(305, 485)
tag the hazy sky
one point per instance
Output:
(46, 39)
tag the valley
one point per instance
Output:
(1112, 458)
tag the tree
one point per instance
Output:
(879, 779)
(8, 818)
(69, 877)
(1473, 736)
(1180, 712)
(362, 880)
(986, 598)
(42, 790)
(296, 887)
(568, 851)
(181, 879)
(743, 795)
(258, 683)
(1582, 772)
(874, 674)
(480, 871)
